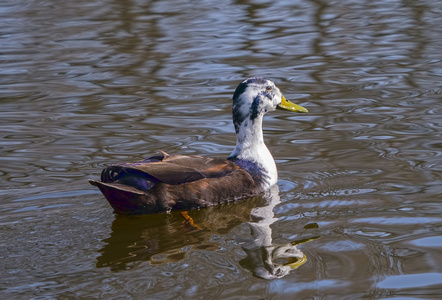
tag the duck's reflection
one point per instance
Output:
(162, 238)
(263, 258)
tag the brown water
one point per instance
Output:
(87, 83)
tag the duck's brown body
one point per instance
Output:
(166, 182)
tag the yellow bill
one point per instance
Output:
(286, 104)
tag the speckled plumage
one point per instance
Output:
(165, 182)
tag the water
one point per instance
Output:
(88, 83)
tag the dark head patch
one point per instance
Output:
(243, 86)
(239, 90)
(238, 116)
(255, 109)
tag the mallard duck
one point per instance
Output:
(164, 182)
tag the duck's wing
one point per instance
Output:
(168, 169)
(168, 182)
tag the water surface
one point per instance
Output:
(87, 83)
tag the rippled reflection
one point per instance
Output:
(163, 238)
(167, 238)
(265, 259)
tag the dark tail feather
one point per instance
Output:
(124, 199)
(128, 176)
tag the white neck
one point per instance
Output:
(250, 147)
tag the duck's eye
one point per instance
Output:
(268, 88)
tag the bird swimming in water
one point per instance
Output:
(165, 182)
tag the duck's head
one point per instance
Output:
(256, 96)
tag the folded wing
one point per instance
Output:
(165, 182)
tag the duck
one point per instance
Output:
(165, 182)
